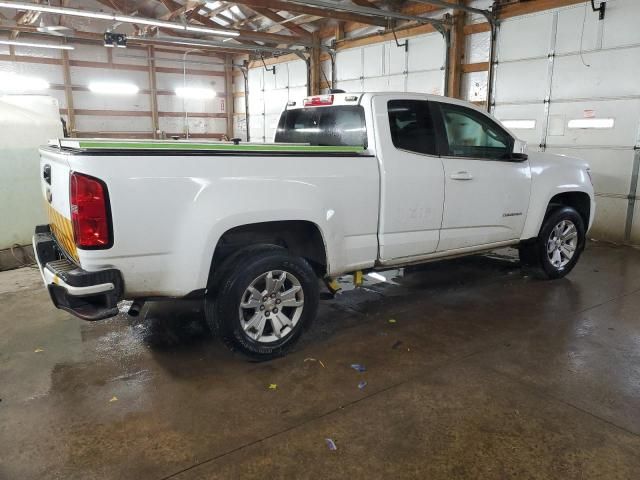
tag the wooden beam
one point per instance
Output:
(456, 53)
(315, 66)
(377, 38)
(320, 12)
(277, 18)
(475, 67)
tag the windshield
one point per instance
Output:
(342, 125)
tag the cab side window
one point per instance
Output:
(471, 134)
(411, 126)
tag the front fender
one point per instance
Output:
(551, 175)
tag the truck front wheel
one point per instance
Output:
(262, 302)
(558, 247)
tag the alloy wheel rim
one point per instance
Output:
(271, 306)
(562, 243)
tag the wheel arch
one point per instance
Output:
(301, 238)
(580, 200)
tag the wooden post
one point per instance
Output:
(315, 74)
(153, 91)
(228, 90)
(68, 94)
(456, 53)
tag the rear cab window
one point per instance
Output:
(339, 125)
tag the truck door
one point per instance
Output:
(486, 191)
(412, 178)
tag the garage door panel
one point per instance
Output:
(520, 82)
(269, 82)
(256, 128)
(621, 23)
(426, 52)
(351, 85)
(527, 113)
(610, 219)
(378, 84)
(373, 58)
(255, 79)
(611, 169)
(426, 82)
(623, 133)
(256, 103)
(282, 75)
(297, 94)
(397, 83)
(349, 64)
(525, 37)
(297, 74)
(276, 101)
(270, 127)
(570, 30)
(611, 74)
(396, 59)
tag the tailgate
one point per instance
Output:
(54, 180)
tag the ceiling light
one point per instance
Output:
(519, 124)
(113, 88)
(36, 45)
(591, 123)
(195, 92)
(111, 17)
(212, 31)
(57, 10)
(11, 82)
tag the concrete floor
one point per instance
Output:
(486, 373)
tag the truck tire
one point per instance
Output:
(558, 247)
(262, 302)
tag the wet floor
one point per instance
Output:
(474, 369)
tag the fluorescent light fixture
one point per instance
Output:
(36, 45)
(591, 123)
(11, 82)
(57, 10)
(196, 92)
(74, 12)
(519, 124)
(113, 88)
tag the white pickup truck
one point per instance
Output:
(354, 182)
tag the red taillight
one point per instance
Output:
(90, 212)
(319, 100)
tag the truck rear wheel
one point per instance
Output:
(558, 247)
(263, 302)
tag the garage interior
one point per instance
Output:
(474, 368)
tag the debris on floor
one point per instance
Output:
(396, 345)
(273, 386)
(331, 444)
(392, 320)
(362, 384)
(359, 368)
(38, 350)
(309, 359)
(113, 399)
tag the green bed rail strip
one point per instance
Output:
(90, 145)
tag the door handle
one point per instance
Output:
(462, 176)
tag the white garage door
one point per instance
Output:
(577, 93)
(385, 67)
(269, 93)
